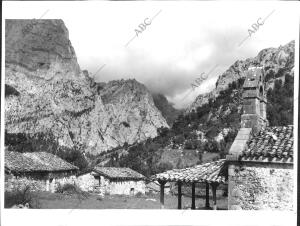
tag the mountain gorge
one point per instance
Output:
(46, 92)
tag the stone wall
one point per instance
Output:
(126, 187)
(260, 186)
(37, 183)
(61, 181)
(87, 182)
(13, 183)
(91, 183)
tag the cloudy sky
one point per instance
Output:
(184, 39)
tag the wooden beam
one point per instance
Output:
(162, 194)
(193, 196)
(207, 195)
(179, 194)
(214, 191)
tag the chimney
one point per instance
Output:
(254, 101)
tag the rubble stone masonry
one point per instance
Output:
(260, 186)
(37, 183)
(90, 183)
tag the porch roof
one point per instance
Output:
(212, 172)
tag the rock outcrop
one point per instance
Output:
(166, 108)
(272, 60)
(47, 92)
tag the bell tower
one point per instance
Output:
(254, 101)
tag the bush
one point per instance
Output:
(10, 91)
(72, 189)
(66, 188)
(21, 196)
(179, 139)
(139, 195)
(188, 145)
(164, 166)
(211, 146)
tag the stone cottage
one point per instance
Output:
(112, 180)
(260, 160)
(42, 171)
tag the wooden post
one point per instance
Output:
(214, 191)
(207, 196)
(193, 196)
(162, 194)
(179, 194)
(47, 184)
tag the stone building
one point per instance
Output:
(260, 160)
(42, 171)
(112, 180)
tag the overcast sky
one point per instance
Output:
(184, 40)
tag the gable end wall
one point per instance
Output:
(260, 186)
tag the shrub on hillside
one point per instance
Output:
(211, 146)
(10, 91)
(179, 139)
(164, 166)
(281, 102)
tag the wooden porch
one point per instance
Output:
(211, 174)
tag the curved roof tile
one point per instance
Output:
(212, 172)
(271, 144)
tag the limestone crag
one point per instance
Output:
(124, 112)
(272, 61)
(53, 95)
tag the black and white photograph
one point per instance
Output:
(178, 107)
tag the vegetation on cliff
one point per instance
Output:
(166, 108)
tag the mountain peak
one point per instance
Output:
(39, 46)
(47, 93)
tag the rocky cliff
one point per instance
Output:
(45, 91)
(272, 60)
(166, 108)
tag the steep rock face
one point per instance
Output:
(124, 112)
(272, 61)
(51, 94)
(42, 47)
(168, 111)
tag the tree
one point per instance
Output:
(179, 164)
(280, 102)
(211, 146)
(162, 131)
(179, 139)
(188, 145)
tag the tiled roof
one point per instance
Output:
(118, 173)
(271, 144)
(209, 172)
(35, 162)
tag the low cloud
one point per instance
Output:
(182, 42)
